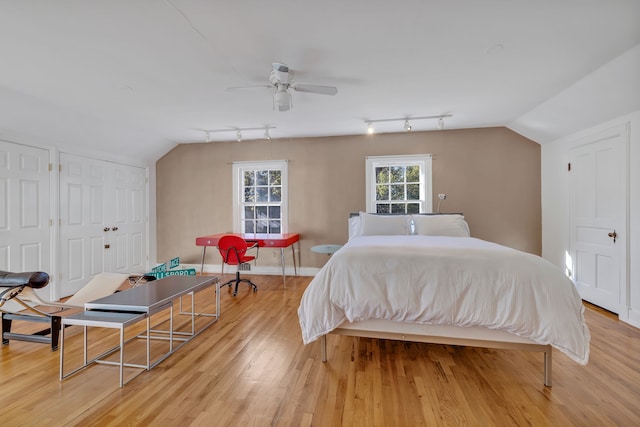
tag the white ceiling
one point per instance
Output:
(135, 78)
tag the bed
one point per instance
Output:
(423, 278)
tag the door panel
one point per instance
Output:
(598, 209)
(82, 238)
(24, 208)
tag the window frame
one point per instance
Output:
(238, 170)
(423, 160)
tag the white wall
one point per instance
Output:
(556, 209)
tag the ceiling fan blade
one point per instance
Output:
(230, 89)
(322, 90)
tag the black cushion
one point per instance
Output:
(33, 279)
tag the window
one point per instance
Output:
(260, 197)
(399, 184)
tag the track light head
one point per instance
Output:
(407, 126)
(266, 134)
(441, 123)
(370, 128)
(238, 136)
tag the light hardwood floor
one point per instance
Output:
(251, 369)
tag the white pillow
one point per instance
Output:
(354, 226)
(452, 225)
(383, 225)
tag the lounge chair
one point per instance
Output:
(19, 301)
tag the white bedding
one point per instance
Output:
(459, 281)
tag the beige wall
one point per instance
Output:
(492, 175)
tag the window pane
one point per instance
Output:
(398, 208)
(262, 177)
(397, 192)
(413, 208)
(397, 173)
(382, 192)
(275, 178)
(262, 226)
(262, 194)
(413, 173)
(248, 227)
(249, 212)
(249, 195)
(249, 180)
(382, 208)
(261, 212)
(382, 175)
(275, 194)
(274, 212)
(413, 191)
(275, 227)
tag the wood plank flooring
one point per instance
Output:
(251, 369)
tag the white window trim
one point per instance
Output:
(424, 160)
(238, 169)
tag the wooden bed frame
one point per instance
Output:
(440, 334)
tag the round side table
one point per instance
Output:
(325, 249)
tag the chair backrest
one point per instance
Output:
(232, 249)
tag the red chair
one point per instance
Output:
(233, 250)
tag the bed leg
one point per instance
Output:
(547, 367)
(323, 347)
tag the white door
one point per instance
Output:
(127, 215)
(102, 220)
(82, 221)
(598, 217)
(24, 208)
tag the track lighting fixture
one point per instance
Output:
(407, 125)
(239, 131)
(370, 129)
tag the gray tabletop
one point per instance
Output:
(152, 296)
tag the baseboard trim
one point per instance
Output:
(264, 270)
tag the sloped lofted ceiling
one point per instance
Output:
(135, 78)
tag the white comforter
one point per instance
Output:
(446, 280)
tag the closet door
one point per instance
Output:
(127, 220)
(102, 220)
(24, 208)
(83, 239)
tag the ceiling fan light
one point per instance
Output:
(282, 100)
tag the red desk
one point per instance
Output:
(264, 240)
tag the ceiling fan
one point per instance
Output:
(281, 80)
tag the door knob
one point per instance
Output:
(106, 229)
(613, 235)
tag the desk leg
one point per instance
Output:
(284, 281)
(293, 252)
(204, 251)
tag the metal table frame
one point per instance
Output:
(124, 308)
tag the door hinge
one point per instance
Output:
(50, 167)
(569, 167)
